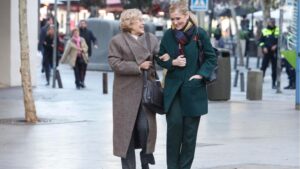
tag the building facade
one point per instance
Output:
(10, 44)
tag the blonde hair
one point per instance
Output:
(182, 7)
(127, 18)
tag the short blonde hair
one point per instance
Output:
(127, 18)
(182, 7)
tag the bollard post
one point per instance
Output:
(57, 76)
(236, 77)
(247, 61)
(104, 82)
(258, 62)
(242, 82)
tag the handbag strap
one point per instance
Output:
(200, 47)
(147, 36)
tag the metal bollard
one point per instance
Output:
(104, 83)
(236, 77)
(60, 85)
(242, 82)
(258, 62)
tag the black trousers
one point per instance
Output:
(79, 71)
(290, 71)
(47, 65)
(270, 56)
(181, 137)
(138, 139)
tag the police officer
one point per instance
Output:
(268, 42)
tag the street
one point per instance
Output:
(75, 131)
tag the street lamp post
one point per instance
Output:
(298, 58)
(279, 44)
(55, 45)
(67, 37)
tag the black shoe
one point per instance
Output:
(145, 166)
(273, 86)
(293, 86)
(77, 87)
(82, 85)
(287, 87)
(47, 84)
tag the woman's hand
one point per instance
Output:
(196, 77)
(180, 61)
(165, 57)
(145, 65)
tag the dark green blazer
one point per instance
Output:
(192, 94)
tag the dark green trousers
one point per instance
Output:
(181, 137)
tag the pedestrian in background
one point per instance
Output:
(185, 94)
(48, 46)
(76, 55)
(268, 42)
(219, 42)
(90, 40)
(43, 33)
(133, 125)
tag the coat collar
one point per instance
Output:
(137, 47)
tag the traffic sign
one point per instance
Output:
(199, 5)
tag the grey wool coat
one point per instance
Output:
(125, 56)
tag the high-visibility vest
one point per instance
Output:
(270, 36)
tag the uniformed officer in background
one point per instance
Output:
(268, 42)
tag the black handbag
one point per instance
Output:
(152, 95)
(152, 89)
(213, 76)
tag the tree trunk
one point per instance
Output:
(266, 7)
(30, 111)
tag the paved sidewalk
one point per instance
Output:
(76, 132)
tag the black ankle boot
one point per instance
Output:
(293, 86)
(274, 85)
(287, 87)
(145, 166)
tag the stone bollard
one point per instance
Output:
(104, 83)
(254, 85)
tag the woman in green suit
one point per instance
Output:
(185, 95)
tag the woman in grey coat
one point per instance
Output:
(133, 125)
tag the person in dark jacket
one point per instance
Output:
(185, 94)
(42, 36)
(268, 42)
(48, 45)
(90, 40)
